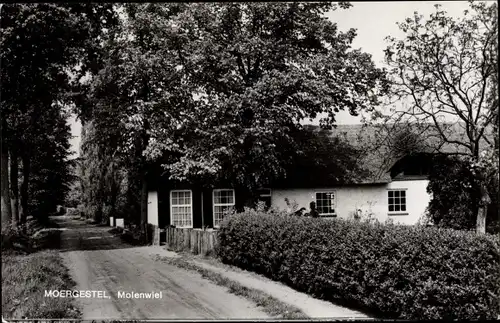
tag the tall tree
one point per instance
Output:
(14, 184)
(6, 206)
(205, 87)
(41, 45)
(446, 69)
(134, 92)
(51, 166)
(257, 70)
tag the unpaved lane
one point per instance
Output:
(100, 262)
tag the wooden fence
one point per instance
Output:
(197, 241)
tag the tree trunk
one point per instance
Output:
(144, 206)
(482, 211)
(23, 214)
(144, 179)
(14, 187)
(101, 194)
(127, 218)
(113, 197)
(6, 208)
(481, 219)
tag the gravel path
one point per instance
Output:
(99, 261)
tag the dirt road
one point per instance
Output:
(99, 261)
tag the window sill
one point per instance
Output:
(398, 213)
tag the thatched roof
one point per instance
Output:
(384, 145)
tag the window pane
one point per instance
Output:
(181, 198)
(325, 202)
(219, 214)
(397, 200)
(224, 197)
(181, 216)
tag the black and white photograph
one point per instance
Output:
(250, 161)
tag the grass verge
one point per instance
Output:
(37, 236)
(269, 304)
(25, 278)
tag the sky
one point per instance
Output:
(373, 21)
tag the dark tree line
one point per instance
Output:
(43, 47)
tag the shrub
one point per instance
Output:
(407, 272)
(455, 196)
(14, 240)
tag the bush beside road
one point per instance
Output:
(393, 271)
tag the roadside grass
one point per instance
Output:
(269, 304)
(29, 268)
(25, 278)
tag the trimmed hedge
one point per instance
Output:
(407, 272)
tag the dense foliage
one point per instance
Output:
(455, 198)
(408, 272)
(258, 70)
(104, 188)
(44, 48)
(201, 88)
(51, 174)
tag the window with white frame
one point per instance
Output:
(223, 200)
(397, 200)
(325, 203)
(181, 208)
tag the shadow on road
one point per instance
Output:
(76, 235)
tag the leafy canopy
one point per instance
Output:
(255, 71)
